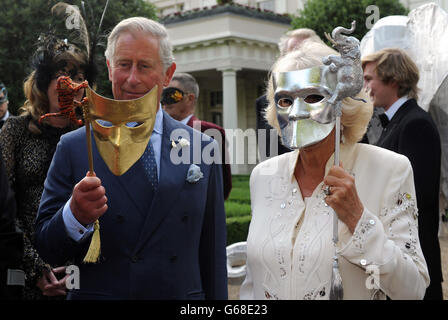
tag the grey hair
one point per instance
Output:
(302, 34)
(141, 24)
(188, 82)
(355, 114)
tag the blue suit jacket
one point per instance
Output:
(173, 248)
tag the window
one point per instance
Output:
(216, 99)
(267, 5)
(217, 118)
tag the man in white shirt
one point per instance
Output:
(391, 77)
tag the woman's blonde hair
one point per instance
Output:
(301, 34)
(394, 65)
(37, 103)
(355, 114)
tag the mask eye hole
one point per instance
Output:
(284, 102)
(104, 123)
(133, 124)
(313, 98)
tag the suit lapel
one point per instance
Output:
(171, 181)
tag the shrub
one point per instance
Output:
(237, 229)
(237, 208)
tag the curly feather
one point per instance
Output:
(72, 13)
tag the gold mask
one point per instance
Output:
(120, 145)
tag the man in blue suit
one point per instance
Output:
(162, 239)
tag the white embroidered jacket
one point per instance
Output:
(289, 245)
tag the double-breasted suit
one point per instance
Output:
(412, 132)
(170, 247)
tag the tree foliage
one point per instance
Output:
(324, 15)
(23, 21)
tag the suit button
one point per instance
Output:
(134, 259)
(185, 218)
(120, 219)
(173, 258)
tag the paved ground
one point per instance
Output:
(234, 290)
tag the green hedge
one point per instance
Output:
(237, 229)
(237, 208)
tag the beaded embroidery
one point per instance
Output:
(405, 206)
(404, 203)
(360, 234)
(315, 294)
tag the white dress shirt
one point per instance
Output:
(77, 231)
(395, 106)
(185, 121)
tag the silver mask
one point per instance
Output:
(301, 98)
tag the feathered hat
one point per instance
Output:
(71, 44)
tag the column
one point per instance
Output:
(230, 101)
(230, 109)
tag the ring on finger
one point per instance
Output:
(327, 190)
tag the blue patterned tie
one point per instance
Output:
(150, 165)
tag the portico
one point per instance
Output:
(229, 50)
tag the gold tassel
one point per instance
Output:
(95, 245)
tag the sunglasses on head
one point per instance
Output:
(171, 95)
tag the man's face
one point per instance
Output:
(3, 105)
(136, 66)
(382, 95)
(182, 109)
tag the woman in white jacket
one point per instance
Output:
(289, 246)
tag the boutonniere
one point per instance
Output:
(182, 142)
(194, 174)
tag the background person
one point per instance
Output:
(179, 101)
(391, 77)
(28, 147)
(289, 245)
